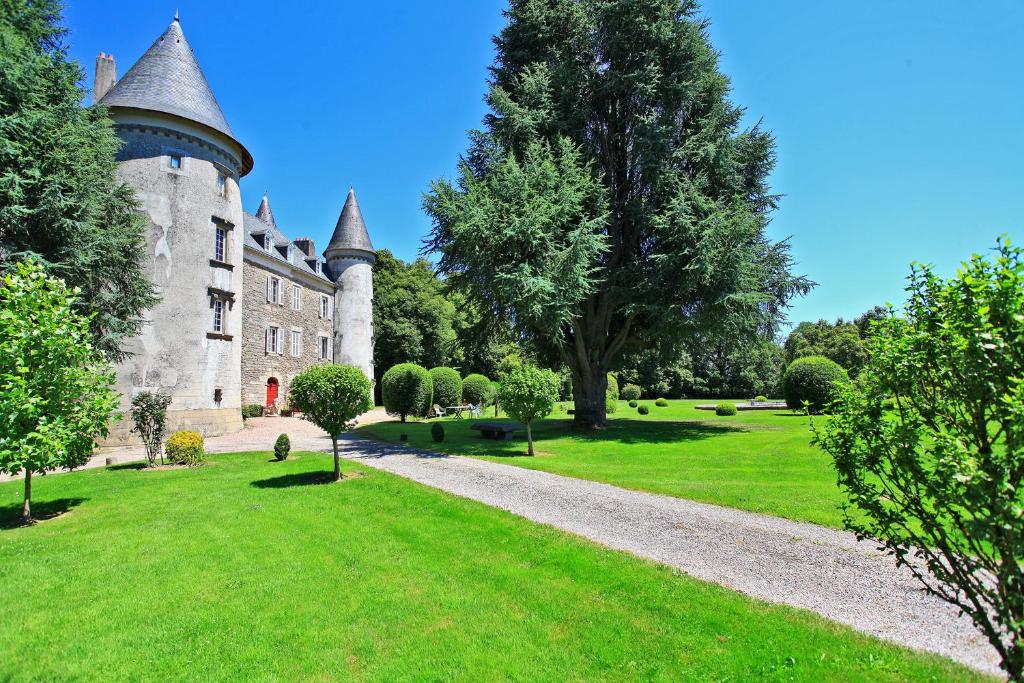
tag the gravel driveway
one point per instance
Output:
(777, 560)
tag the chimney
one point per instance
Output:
(305, 245)
(106, 76)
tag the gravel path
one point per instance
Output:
(777, 560)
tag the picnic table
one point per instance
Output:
(456, 410)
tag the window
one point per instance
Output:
(174, 161)
(270, 242)
(296, 298)
(325, 348)
(222, 184)
(296, 343)
(220, 242)
(275, 342)
(275, 290)
(326, 310)
(218, 316)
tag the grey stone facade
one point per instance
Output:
(206, 342)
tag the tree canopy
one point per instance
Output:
(62, 202)
(612, 200)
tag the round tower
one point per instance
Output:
(184, 162)
(350, 258)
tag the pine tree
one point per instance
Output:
(59, 198)
(612, 200)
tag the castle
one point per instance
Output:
(243, 309)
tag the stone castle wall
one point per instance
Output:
(353, 313)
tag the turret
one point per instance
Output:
(350, 259)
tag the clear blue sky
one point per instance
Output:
(899, 125)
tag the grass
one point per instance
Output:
(253, 569)
(760, 461)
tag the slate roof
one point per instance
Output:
(350, 232)
(167, 78)
(256, 232)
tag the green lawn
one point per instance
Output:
(758, 460)
(251, 569)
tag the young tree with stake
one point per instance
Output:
(529, 393)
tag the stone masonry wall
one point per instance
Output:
(257, 314)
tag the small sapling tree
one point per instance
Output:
(937, 479)
(332, 397)
(149, 415)
(57, 392)
(529, 393)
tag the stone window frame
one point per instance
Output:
(278, 338)
(221, 301)
(324, 347)
(275, 295)
(166, 152)
(296, 304)
(325, 306)
(218, 316)
(295, 342)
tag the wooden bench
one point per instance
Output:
(499, 431)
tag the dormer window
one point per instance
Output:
(269, 242)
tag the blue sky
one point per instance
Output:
(898, 124)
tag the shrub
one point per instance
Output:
(725, 409)
(185, 447)
(643, 410)
(149, 415)
(407, 390)
(252, 410)
(888, 403)
(612, 392)
(527, 394)
(632, 404)
(760, 399)
(282, 447)
(814, 380)
(437, 432)
(478, 390)
(447, 386)
(938, 482)
(630, 392)
(661, 403)
(332, 397)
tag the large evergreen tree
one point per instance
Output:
(59, 197)
(612, 199)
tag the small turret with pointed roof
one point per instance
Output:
(350, 235)
(264, 213)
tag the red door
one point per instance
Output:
(271, 391)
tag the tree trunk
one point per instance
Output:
(1013, 663)
(337, 459)
(529, 439)
(26, 510)
(588, 391)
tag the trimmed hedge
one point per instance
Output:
(478, 390)
(661, 403)
(447, 386)
(407, 389)
(813, 380)
(643, 410)
(632, 404)
(725, 409)
(437, 432)
(282, 447)
(252, 410)
(185, 448)
(630, 392)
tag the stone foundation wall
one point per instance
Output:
(212, 422)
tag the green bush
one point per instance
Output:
(447, 386)
(437, 432)
(612, 392)
(478, 390)
(725, 409)
(630, 392)
(889, 403)
(760, 399)
(185, 448)
(282, 447)
(661, 403)
(407, 390)
(252, 410)
(632, 404)
(528, 394)
(814, 380)
(643, 410)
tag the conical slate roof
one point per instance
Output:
(265, 214)
(350, 232)
(167, 78)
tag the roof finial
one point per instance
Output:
(176, 17)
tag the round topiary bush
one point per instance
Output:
(813, 380)
(661, 403)
(725, 409)
(630, 392)
(632, 404)
(437, 432)
(760, 399)
(282, 447)
(643, 410)
(447, 386)
(407, 390)
(477, 389)
(185, 448)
